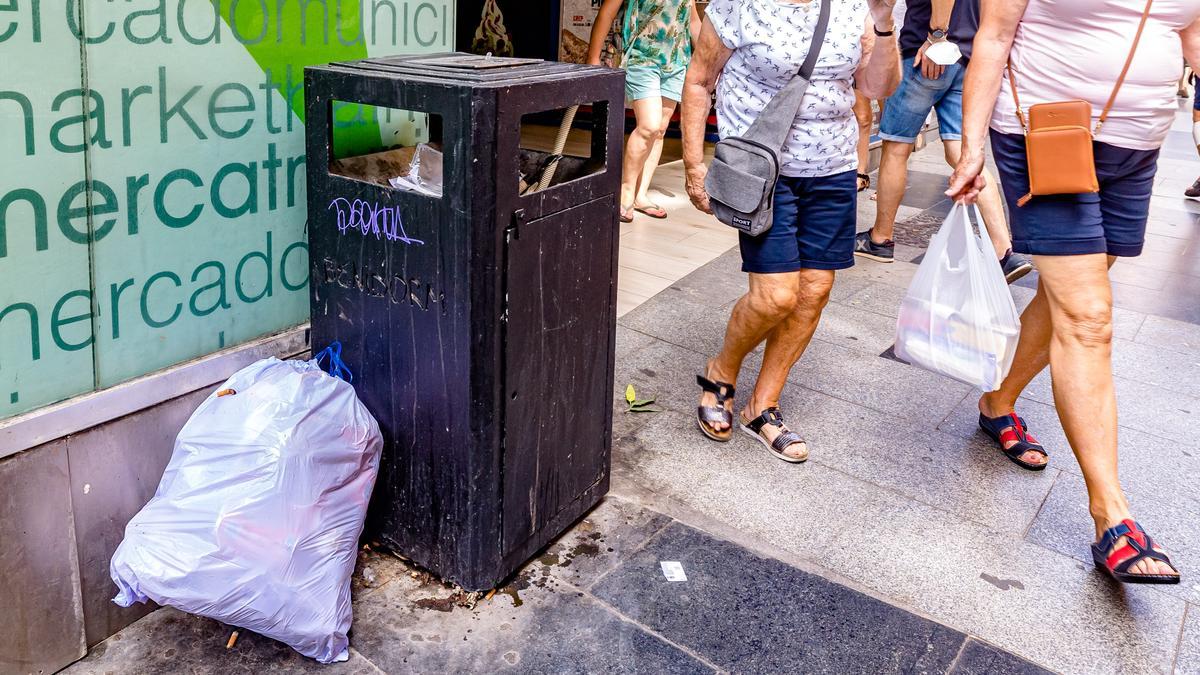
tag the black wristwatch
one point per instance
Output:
(937, 34)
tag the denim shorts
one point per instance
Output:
(1112, 221)
(905, 111)
(813, 228)
(645, 81)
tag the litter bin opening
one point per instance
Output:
(389, 147)
(557, 146)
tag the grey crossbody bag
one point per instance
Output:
(741, 178)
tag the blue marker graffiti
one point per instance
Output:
(371, 219)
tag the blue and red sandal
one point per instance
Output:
(1011, 428)
(1138, 546)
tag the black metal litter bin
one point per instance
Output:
(479, 324)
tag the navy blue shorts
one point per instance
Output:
(1112, 221)
(1196, 101)
(813, 229)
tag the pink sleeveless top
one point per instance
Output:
(1074, 49)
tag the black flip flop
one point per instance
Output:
(782, 442)
(1012, 429)
(1138, 546)
(706, 416)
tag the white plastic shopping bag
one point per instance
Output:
(958, 317)
(257, 518)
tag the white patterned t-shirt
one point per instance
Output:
(770, 41)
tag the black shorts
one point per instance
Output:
(814, 226)
(1112, 221)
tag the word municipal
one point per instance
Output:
(371, 219)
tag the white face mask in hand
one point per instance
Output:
(943, 53)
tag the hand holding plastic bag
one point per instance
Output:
(256, 520)
(958, 317)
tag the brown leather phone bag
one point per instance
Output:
(1058, 140)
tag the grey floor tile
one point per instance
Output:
(969, 576)
(978, 658)
(885, 298)
(169, 641)
(751, 614)
(854, 328)
(1141, 277)
(1165, 333)
(1188, 660)
(1178, 224)
(1065, 526)
(667, 373)
(960, 475)
(846, 284)
(880, 384)
(629, 341)
(716, 283)
(414, 626)
(679, 317)
(1127, 323)
(1142, 407)
(598, 543)
(1164, 368)
(925, 189)
(1150, 466)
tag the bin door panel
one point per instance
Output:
(560, 278)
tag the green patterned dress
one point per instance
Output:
(657, 33)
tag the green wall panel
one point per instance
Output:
(192, 111)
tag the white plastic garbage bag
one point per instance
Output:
(257, 518)
(958, 317)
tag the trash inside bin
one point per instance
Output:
(479, 323)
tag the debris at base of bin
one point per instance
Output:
(673, 570)
(257, 517)
(232, 640)
(489, 595)
(636, 405)
(368, 575)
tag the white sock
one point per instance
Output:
(1196, 131)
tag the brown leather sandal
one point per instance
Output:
(786, 438)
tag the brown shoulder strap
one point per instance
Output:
(1124, 71)
(1012, 82)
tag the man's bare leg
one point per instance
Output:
(770, 300)
(991, 205)
(785, 344)
(1076, 303)
(893, 178)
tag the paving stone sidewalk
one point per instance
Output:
(903, 495)
(906, 544)
(596, 602)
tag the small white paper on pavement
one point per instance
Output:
(672, 570)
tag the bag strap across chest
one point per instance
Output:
(773, 124)
(1112, 98)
